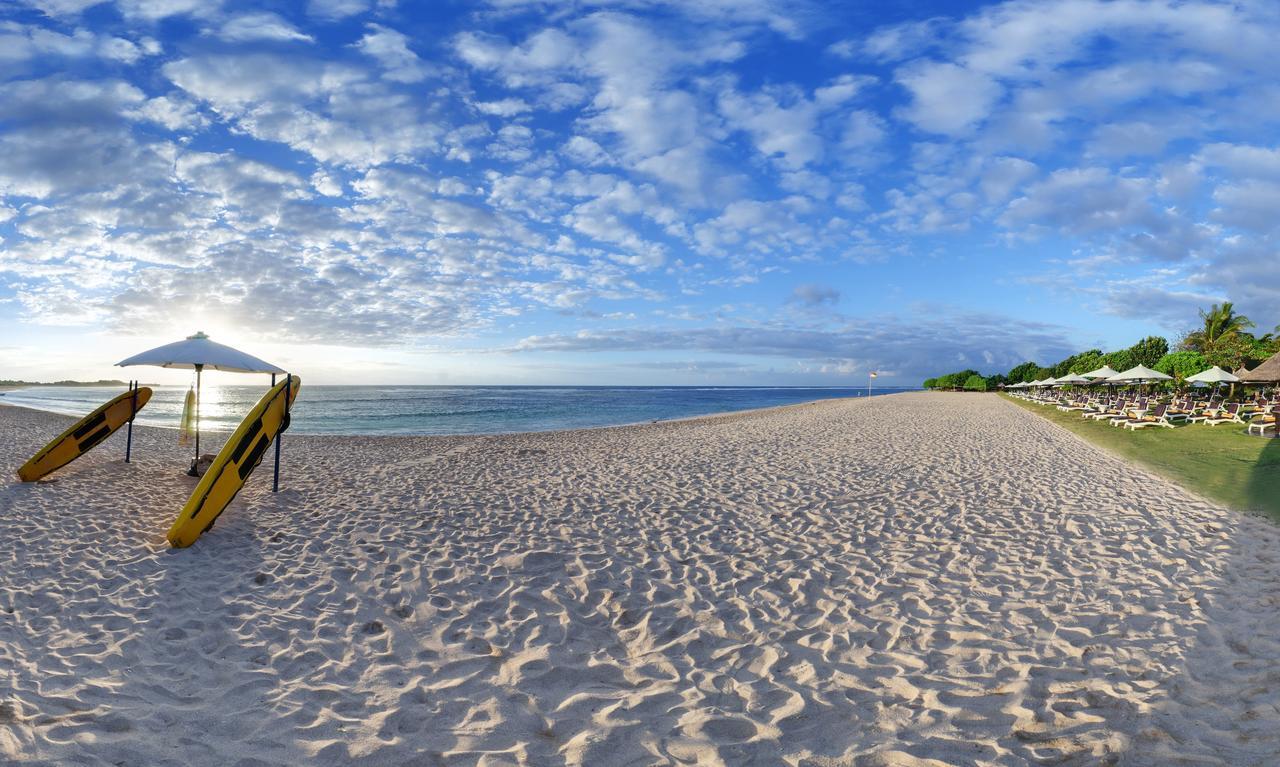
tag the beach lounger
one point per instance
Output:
(1180, 411)
(1266, 422)
(1157, 417)
(1228, 414)
(1136, 410)
(1206, 411)
(1109, 412)
(1132, 414)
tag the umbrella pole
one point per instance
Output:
(128, 443)
(275, 478)
(195, 462)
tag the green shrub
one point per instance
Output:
(1090, 360)
(975, 382)
(1023, 373)
(1148, 351)
(1119, 361)
(1181, 364)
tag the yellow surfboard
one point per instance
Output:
(85, 434)
(235, 462)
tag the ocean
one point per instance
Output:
(441, 409)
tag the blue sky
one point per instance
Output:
(634, 191)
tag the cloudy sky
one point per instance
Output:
(630, 191)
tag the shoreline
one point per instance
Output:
(210, 431)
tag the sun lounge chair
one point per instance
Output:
(1128, 414)
(1266, 422)
(1157, 417)
(1180, 411)
(1133, 411)
(1205, 412)
(1228, 414)
(1254, 411)
(1108, 411)
(1094, 405)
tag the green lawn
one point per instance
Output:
(1219, 462)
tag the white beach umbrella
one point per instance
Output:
(1103, 372)
(1139, 374)
(1214, 374)
(197, 353)
(1073, 379)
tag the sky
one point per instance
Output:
(630, 191)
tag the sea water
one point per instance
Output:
(440, 409)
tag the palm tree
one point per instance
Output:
(1220, 323)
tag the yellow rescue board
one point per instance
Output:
(235, 462)
(85, 434)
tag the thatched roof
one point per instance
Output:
(1267, 372)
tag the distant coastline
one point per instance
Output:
(25, 384)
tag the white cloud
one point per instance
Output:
(785, 18)
(27, 43)
(1249, 204)
(639, 109)
(173, 112)
(814, 295)
(861, 139)
(1242, 160)
(328, 110)
(326, 185)
(260, 26)
(1082, 201)
(333, 10)
(1130, 139)
(391, 49)
(1003, 175)
(947, 98)
(64, 7)
(782, 124)
(510, 107)
(155, 10)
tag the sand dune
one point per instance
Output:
(916, 579)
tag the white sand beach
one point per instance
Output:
(917, 579)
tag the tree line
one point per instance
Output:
(1222, 339)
